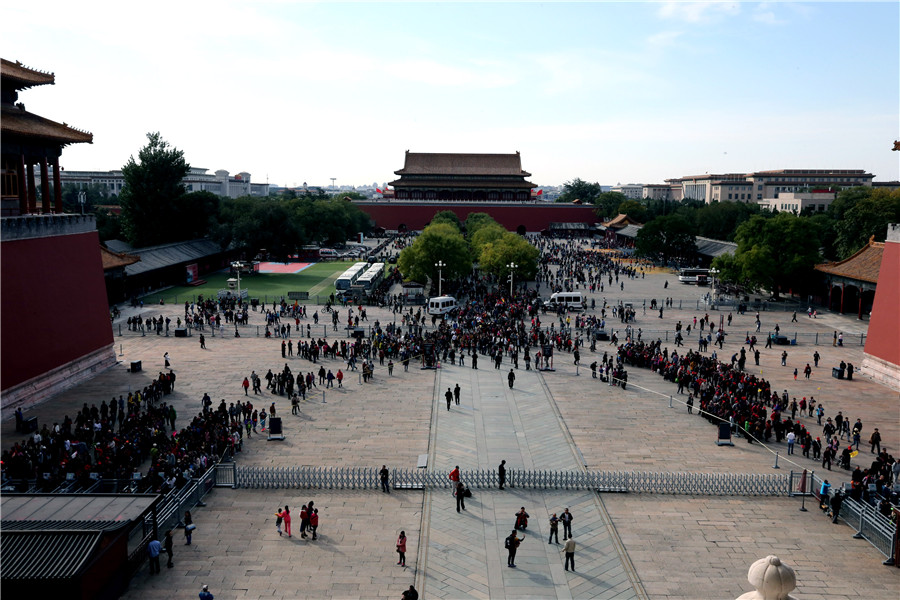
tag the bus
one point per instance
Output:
(349, 277)
(371, 278)
(698, 276)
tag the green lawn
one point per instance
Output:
(318, 280)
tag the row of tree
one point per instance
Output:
(855, 215)
(458, 246)
(156, 209)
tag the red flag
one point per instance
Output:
(379, 191)
(540, 192)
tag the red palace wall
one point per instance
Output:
(53, 300)
(883, 339)
(534, 217)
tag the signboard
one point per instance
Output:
(192, 272)
(298, 295)
(724, 435)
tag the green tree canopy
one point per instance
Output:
(666, 237)
(487, 234)
(152, 192)
(510, 248)
(475, 221)
(634, 209)
(438, 242)
(720, 220)
(869, 215)
(578, 189)
(775, 254)
(259, 223)
(608, 204)
(447, 216)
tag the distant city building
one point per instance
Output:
(632, 191)
(796, 202)
(198, 179)
(661, 191)
(763, 185)
(463, 177)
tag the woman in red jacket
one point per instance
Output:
(401, 548)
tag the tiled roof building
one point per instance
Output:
(463, 177)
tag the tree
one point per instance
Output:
(193, 215)
(868, 216)
(666, 237)
(634, 209)
(720, 220)
(152, 191)
(257, 223)
(608, 204)
(447, 216)
(578, 189)
(94, 194)
(507, 249)
(775, 254)
(438, 242)
(475, 221)
(483, 236)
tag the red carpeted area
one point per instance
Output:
(271, 267)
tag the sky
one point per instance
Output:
(612, 92)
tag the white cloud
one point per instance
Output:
(664, 38)
(764, 13)
(698, 12)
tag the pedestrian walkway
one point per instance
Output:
(463, 553)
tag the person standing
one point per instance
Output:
(153, 550)
(456, 392)
(569, 549)
(511, 377)
(384, 474)
(279, 518)
(166, 359)
(246, 385)
(401, 549)
(791, 438)
(512, 544)
(566, 519)
(169, 550)
(454, 477)
(501, 472)
(204, 593)
(189, 527)
(522, 519)
(554, 529)
(202, 342)
(875, 440)
(460, 496)
(314, 523)
(286, 515)
(410, 594)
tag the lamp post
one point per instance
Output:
(511, 266)
(440, 265)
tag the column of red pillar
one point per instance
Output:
(23, 185)
(57, 187)
(32, 192)
(45, 187)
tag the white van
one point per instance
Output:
(569, 300)
(328, 253)
(442, 305)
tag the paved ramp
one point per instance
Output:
(462, 553)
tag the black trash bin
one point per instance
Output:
(135, 366)
(837, 373)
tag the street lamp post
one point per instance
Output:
(440, 265)
(511, 266)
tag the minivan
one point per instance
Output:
(442, 305)
(569, 300)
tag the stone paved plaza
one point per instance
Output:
(629, 546)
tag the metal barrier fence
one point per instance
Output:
(716, 484)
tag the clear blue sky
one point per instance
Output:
(609, 92)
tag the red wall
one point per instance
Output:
(53, 304)
(883, 339)
(534, 217)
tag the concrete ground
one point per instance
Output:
(641, 546)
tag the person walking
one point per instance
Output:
(511, 377)
(512, 544)
(566, 519)
(286, 515)
(401, 548)
(314, 523)
(569, 549)
(166, 359)
(189, 527)
(153, 550)
(202, 342)
(460, 496)
(384, 474)
(454, 477)
(501, 473)
(279, 519)
(522, 519)
(456, 392)
(169, 550)
(448, 395)
(204, 593)
(554, 529)
(875, 440)
(246, 385)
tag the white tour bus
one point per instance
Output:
(442, 305)
(569, 300)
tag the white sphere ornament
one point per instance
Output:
(772, 579)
